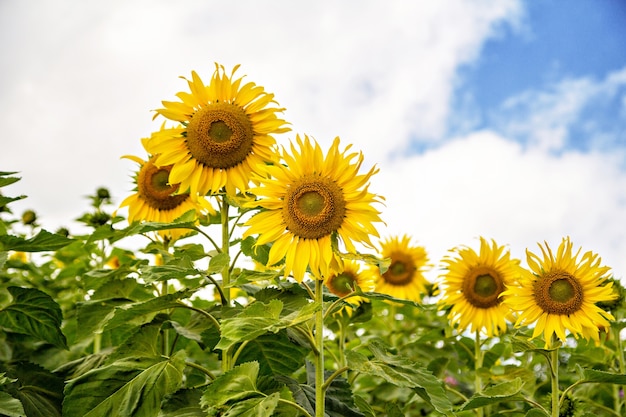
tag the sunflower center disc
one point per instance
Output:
(154, 189)
(314, 207)
(482, 286)
(401, 270)
(220, 135)
(558, 293)
(342, 284)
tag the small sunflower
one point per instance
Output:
(226, 132)
(473, 284)
(156, 199)
(307, 202)
(404, 279)
(345, 282)
(559, 293)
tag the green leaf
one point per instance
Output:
(508, 390)
(276, 354)
(403, 373)
(37, 389)
(235, 385)
(144, 311)
(43, 241)
(364, 406)
(4, 180)
(254, 407)
(183, 403)
(4, 201)
(258, 253)
(165, 272)
(592, 375)
(34, 313)
(133, 386)
(9, 406)
(255, 320)
(535, 412)
(93, 315)
(218, 263)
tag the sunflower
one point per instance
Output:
(473, 284)
(309, 201)
(404, 279)
(345, 282)
(156, 199)
(559, 293)
(226, 132)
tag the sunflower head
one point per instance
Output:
(404, 279)
(226, 132)
(310, 201)
(560, 293)
(472, 286)
(156, 200)
(345, 282)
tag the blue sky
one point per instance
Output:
(496, 118)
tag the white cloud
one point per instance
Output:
(486, 185)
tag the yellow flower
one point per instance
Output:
(156, 199)
(307, 202)
(405, 277)
(226, 132)
(345, 282)
(473, 284)
(559, 293)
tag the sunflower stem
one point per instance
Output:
(478, 363)
(619, 401)
(554, 379)
(319, 358)
(227, 355)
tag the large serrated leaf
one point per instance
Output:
(254, 407)
(10, 407)
(43, 241)
(37, 389)
(142, 312)
(276, 354)
(508, 390)
(235, 385)
(132, 386)
(403, 373)
(183, 403)
(256, 319)
(592, 375)
(34, 313)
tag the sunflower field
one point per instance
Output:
(249, 274)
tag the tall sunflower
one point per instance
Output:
(156, 199)
(226, 133)
(307, 201)
(404, 279)
(473, 284)
(559, 293)
(344, 282)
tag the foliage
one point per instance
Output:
(95, 324)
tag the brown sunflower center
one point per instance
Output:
(342, 284)
(154, 189)
(401, 270)
(482, 286)
(220, 135)
(314, 207)
(558, 293)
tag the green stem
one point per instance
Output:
(319, 358)
(296, 406)
(554, 379)
(201, 369)
(227, 355)
(478, 363)
(333, 376)
(619, 402)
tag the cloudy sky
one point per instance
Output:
(500, 118)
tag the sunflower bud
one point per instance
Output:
(29, 217)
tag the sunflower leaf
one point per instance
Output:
(34, 313)
(508, 390)
(402, 372)
(592, 375)
(132, 386)
(10, 406)
(255, 407)
(276, 354)
(43, 241)
(235, 385)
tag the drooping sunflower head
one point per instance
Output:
(472, 286)
(227, 129)
(345, 282)
(309, 200)
(156, 200)
(404, 279)
(559, 293)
